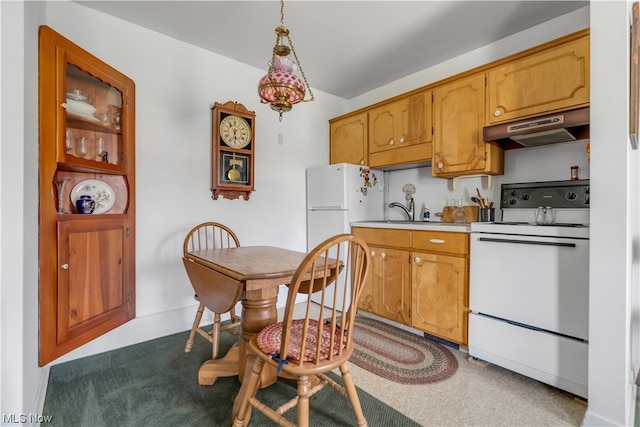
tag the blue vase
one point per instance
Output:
(85, 204)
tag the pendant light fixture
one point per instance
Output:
(281, 87)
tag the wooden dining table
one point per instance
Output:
(260, 270)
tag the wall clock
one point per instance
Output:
(233, 143)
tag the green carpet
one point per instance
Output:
(156, 384)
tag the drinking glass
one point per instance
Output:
(69, 140)
(82, 147)
(100, 149)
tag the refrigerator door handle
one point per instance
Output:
(326, 208)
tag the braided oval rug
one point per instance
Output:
(399, 355)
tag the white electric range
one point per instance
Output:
(529, 284)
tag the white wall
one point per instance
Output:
(19, 374)
(614, 191)
(176, 84)
(544, 163)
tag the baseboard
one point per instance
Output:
(42, 389)
(140, 329)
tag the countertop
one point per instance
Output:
(415, 225)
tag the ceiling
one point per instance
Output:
(346, 47)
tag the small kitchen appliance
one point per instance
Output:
(338, 195)
(529, 284)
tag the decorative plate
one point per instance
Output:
(99, 191)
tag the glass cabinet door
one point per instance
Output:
(92, 136)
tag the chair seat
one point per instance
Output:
(269, 339)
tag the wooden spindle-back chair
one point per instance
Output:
(308, 345)
(211, 235)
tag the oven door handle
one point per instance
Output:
(527, 242)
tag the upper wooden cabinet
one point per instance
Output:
(553, 79)
(349, 139)
(442, 122)
(400, 131)
(458, 147)
(87, 148)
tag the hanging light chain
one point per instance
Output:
(304, 77)
(295, 55)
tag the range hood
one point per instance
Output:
(548, 129)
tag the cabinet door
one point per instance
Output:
(400, 131)
(348, 140)
(391, 272)
(94, 278)
(440, 295)
(459, 148)
(369, 300)
(553, 80)
(385, 124)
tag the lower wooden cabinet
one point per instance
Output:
(94, 276)
(419, 279)
(439, 296)
(388, 288)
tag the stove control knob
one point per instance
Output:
(512, 201)
(525, 197)
(571, 196)
(586, 200)
(513, 193)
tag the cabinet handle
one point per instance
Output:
(64, 105)
(373, 253)
(417, 259)
(362, 161)
(401, 140)
(391, 142)
(65, 266)
(438, 241)
(440, 165)
(382, 255)
(497, 113)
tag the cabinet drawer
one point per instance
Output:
(383, 236)
(441, 241)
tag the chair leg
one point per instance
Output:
(234, 330)
(215, 336)
(242, 405)
(352, 394)
(194, 328)
(303, 401)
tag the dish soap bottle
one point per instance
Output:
(426, 214)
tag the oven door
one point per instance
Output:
(540, 282)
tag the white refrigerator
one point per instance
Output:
(338, 195)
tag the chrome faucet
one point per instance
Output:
(411, 212)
